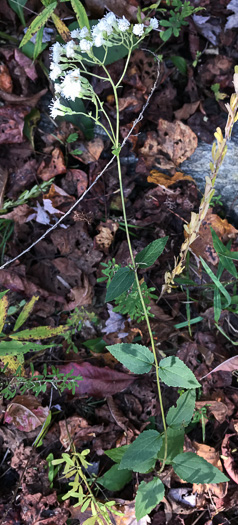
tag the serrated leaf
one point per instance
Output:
(115, 479)
(24, 314)
(3, 311)
(81, 14)
(175, 442)
(141, 454)
(121, 282)
(40, 332)
(116, 454)
(38, 22)
(148, 496)
(8, 348)
(150, 254)
(137, 358)
(223, 253)
(194, 469)
(181, 415)
(174, 372)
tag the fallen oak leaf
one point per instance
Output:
(98, 382)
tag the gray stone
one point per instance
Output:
(227, 180)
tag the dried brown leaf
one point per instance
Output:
(176, 140)
(26, 413)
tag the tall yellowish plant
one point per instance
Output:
(219, 150)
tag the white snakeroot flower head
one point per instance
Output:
(56, 71)
(71, 85)
(123, 24)
(154, 23)
(84, 32)
(103, 25)
(56, 108)
(85, 45)
(57, 51)
(138, 29)
(75, 33)
(99, 40)
(70, 49)
(110, 18)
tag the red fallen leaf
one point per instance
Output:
(26, 413)
(26, 63)
(5, 79)
(229, 460)
(98, 382)
(56, 166)
(227, 366)
(11, 124)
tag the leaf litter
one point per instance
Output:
(64, 267)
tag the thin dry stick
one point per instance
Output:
(140, 117)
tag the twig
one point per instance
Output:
(139, 118)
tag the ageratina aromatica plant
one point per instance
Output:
(152, 450)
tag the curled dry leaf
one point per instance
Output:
(3, 182)
(164, 180)
(91, 150)
(186, 110)
(77, 430)
(176, 140)
(26, 413)
(11, 124)
(55, 167)
(26, 101)
(80, 295)
(26, 63)
(21, 214)
(5, 79)
(229, 455)
(98, 382)
(105, 238)
(227, 366)
(58, 196)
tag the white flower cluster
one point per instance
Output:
(108, 31)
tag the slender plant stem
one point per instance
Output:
(135, 270)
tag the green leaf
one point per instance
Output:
(165, 35)
(81, 14)
(115, 479)
(191, 321)
(38, 44)
(38, 22)
(137, 358)
(175, 442)
(30, 122)
(217, 282)
(24, 314)
(174, 372)
(150, 254)
(148, 496)
(181, 415)
(194, 469)
(141, 454)
(40, 332)
(17, 6)
(3, 311)
(180, 63)
(116, 454)
(121, 282)
(223, 253)
(19, 347)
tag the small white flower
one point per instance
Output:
(55, 71)
(84, 32)
(56, 109)
(71, 85)
(57, 51)
(138, 29)
(103, 25)
(70, 49)
(99, 40)
(154, 23)
(110, 18)
(85, 45)
(123, 24)
(75, 33)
